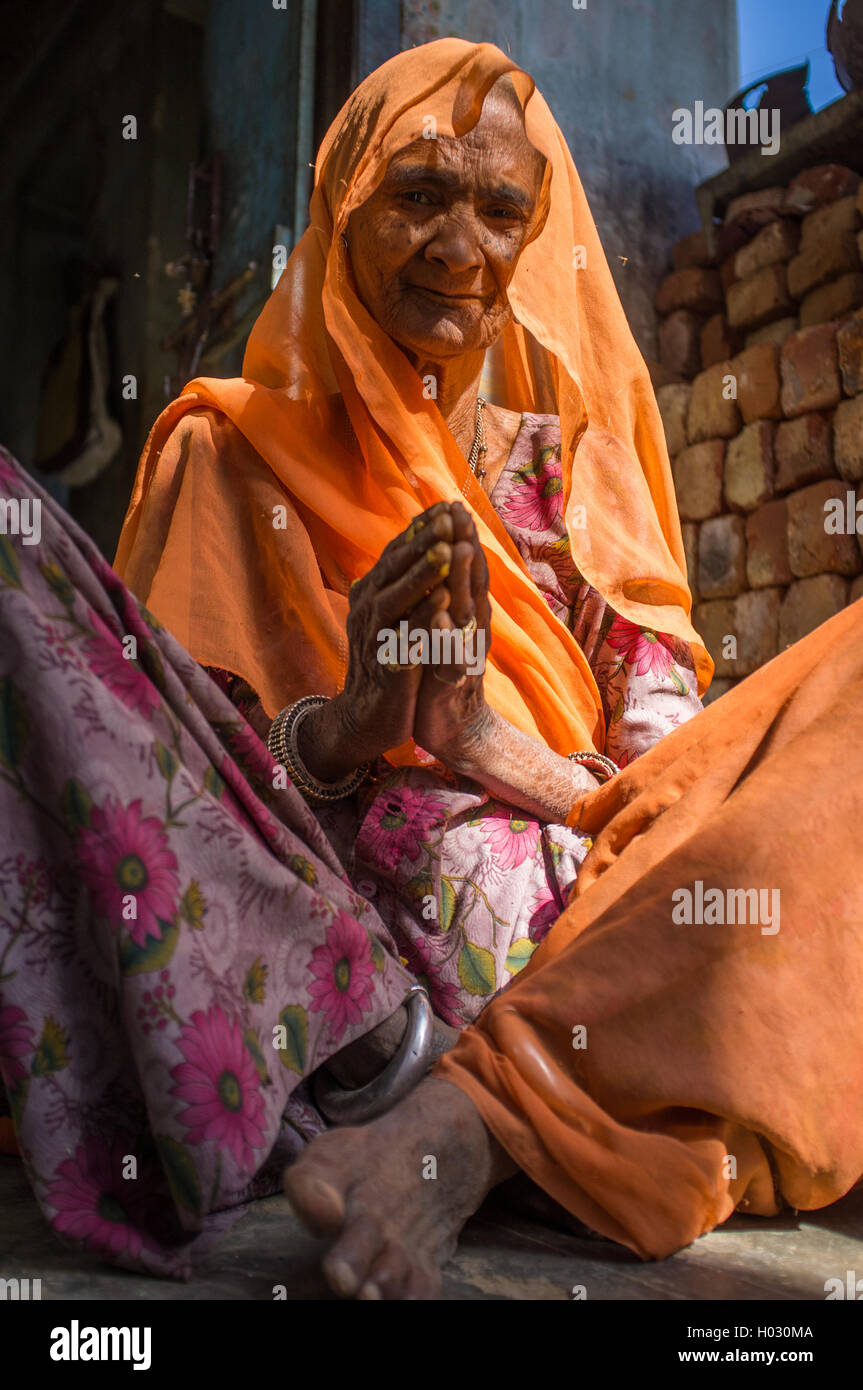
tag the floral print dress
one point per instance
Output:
(181, 944)
(468, 886)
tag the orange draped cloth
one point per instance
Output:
(703, 1043)
(259, 500)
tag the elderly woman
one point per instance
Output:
(283, 524)
(235, 894)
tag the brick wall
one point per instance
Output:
(761, 346)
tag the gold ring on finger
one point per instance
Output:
(452, 684)
(469, 626)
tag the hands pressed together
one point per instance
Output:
(433, 576)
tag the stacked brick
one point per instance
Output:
(762, 346)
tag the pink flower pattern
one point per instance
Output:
(649, 652)
(512, 838)
(219, 1086)
(123, 855)
(343, 970)
(123, 677)
(443, 993)
(16, 1040)
(543, 912)
(536, 497)
(397, 825)
(95, 1205)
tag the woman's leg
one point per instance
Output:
(688, 1039)
(179, 945)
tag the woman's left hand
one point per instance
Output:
(453, 721)
(451, 716)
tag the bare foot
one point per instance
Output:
(395, 1194)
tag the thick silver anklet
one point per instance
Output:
(341, 1106)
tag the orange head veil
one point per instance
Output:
(245, 545)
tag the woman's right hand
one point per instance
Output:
(375, 711)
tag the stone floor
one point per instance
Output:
(501, 1257)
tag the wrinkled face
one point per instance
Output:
(435, 246)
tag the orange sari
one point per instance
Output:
(721, 1064)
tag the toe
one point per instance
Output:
(388, 1274)
(317, 1202)
(421, 1283)
(348, 1262)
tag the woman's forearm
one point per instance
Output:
(510, 764)
(330, 745)
(519, 769)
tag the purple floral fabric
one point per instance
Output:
(182, 943)
(166, 917)
(646, 679)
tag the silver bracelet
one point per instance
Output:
(282, 743)
(597, 763)
(405, 1070)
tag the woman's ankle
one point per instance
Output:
(366, 1057)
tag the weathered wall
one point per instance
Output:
(613, 74)
(70, 184)
(250, 82)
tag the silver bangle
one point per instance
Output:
(597, 763)
(282, 743)
(340, 1106)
